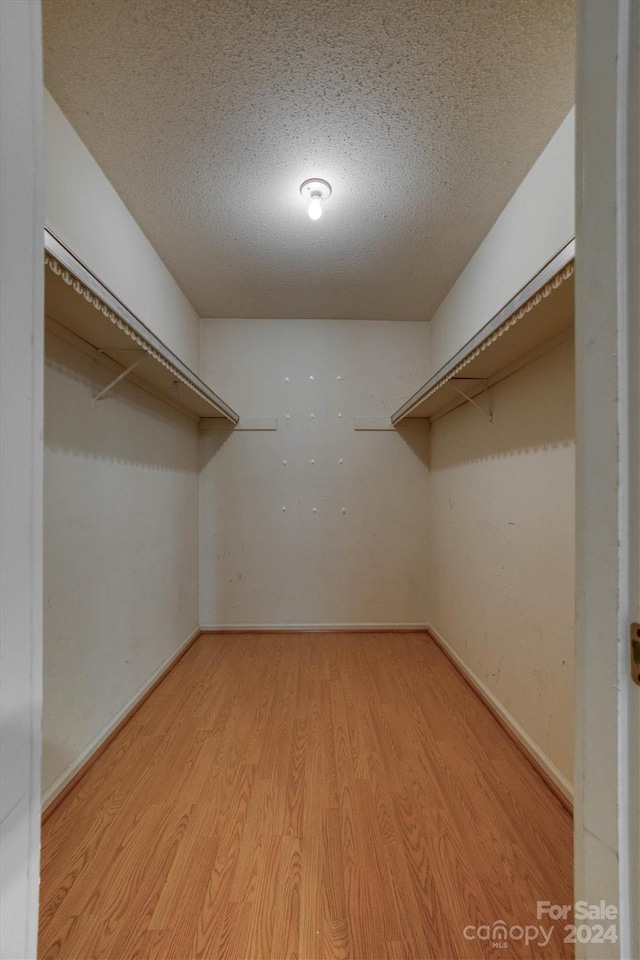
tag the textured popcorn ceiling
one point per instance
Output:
(206, 115)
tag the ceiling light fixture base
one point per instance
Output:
(313, 188)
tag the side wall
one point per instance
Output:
(266, 558)
(21, 472)
(502, 544)
(85, 213)
(120, 552)
(121, 487)
(502, 493)
(536, 223)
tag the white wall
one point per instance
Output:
(121, 484)
(21, 472)
(87, 215)
(262, 565)
(502, 547)
(536, 223)
(120, 551)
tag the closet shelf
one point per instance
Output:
(534, 320)
(98, 321)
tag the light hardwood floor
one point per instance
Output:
(309, 796)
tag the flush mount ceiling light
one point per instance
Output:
(315, 191)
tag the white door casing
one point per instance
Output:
(21, 415)
(607, 467)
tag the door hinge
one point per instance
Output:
(634, 637)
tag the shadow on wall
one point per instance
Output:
(212, 439)
(415, 434)
(532, 410)
(129, 427)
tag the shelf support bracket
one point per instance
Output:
(466, 396)
(121, 376)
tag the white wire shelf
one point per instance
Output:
(537, 318)
(79, 303)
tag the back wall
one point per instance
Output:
(315, 523)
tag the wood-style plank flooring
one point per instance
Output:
(308, 796)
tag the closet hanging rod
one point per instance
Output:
(149, 341)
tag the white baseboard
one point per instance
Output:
(50, 795)
(311, 627)
(532, 748)
(558, 778)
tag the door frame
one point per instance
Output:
(607, 462)
(21, 427)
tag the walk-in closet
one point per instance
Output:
(309, 360)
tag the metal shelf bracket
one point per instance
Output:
(487, 413)
(121, 376)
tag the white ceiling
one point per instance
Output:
(206, 115)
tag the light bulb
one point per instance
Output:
(315, 208)
(314, 191)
